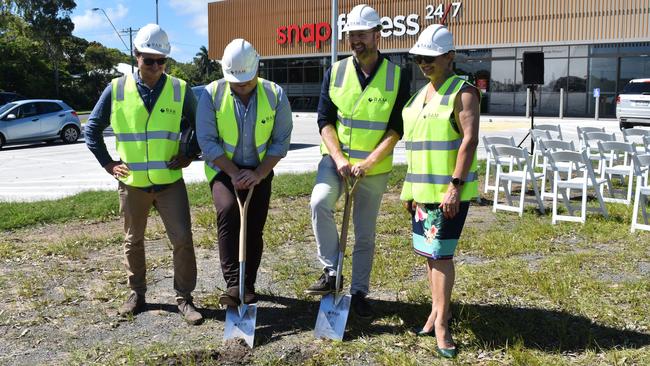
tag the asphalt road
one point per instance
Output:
(42, 171)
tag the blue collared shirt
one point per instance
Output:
(246, 116)
(100, 118)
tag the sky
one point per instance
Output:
(185, 21)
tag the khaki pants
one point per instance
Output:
(173, 206)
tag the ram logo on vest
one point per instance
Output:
(167, 110)
(377, 100)
(434, 115)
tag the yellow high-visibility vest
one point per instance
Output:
(432, 146)
(363, 114)
(226, 121)
(145, 141)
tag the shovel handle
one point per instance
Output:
(243, 214)
(350, 185)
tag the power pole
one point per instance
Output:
(130, 31)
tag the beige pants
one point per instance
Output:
(173, 206)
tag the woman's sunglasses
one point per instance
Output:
(151, 61)
(419, 59)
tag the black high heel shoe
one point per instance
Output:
(420, 332)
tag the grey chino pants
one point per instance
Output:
(367, 199)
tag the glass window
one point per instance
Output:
(48, 108)
(640, 48)
(484, 53)
(556, 51)
(520, 51)
(504, 52)
(27, 110)
(603, 49)
(577, 79)
(279, 75)
(500, 103)
(295, 75)
(502, 76)
(633, 68)
(555, 74)
(576, 105)
(602, 74)
(579, 51)
(313, 75)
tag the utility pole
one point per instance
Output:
(156, 11)
(130, 31)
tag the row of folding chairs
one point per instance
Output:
(565, 169)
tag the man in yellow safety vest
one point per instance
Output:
(152, 115)
(359, 116)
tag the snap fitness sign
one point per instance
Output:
(319, 33)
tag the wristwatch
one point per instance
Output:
(456, 182)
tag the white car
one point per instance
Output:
(38, 120)
(633, 104)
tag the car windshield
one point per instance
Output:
(637, 88)
(6, 107)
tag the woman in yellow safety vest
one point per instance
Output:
(441, 124)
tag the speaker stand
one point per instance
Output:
(533, 104)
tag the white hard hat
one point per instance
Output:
(152, 39)
(362, 17)
(435, 40)
(239, 62)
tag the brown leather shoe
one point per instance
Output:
(187, 309)
(133, 305)
(230, 297)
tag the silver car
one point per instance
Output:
(38, 120)
(633, 104)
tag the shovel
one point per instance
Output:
(334, 308)
(240, 321)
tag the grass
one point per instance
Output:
(526, 292)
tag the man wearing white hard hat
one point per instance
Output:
(244, 126)
(441, 124)
(152, 115)
(359, 117)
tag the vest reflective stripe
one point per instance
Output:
(227, 127)
(436, 179)
(163, 135)
(147, 142)
(432, 146)
(147, 166)
(357, 123)
(363, 114)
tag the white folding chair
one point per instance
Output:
(581, 177)
(538, 135)
(582, 130)
(591, 144)
(547, 148)
(617, 157)
(518, 157)
(636, 136)
(554, 130)
(641, 168)
(487, 142)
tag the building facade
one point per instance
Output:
(587, 45)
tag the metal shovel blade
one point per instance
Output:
(240, 323)
(332, 316)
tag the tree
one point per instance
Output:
(206, 66)
(51, 24)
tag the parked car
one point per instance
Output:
(6, 97)
(633, 104)
(38, 120)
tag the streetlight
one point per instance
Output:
(156, 11)
(118, 34)
(109, 20)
